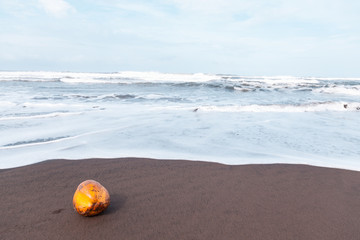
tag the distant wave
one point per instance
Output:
(120, 77)
(128, 76)
(346, 86)
(82, 80)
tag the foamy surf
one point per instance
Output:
(214, 117)
(286, 108)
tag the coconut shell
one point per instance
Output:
(91, 198)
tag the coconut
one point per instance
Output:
(91, 198)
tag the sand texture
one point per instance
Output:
(168, 199)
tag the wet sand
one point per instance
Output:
(178, 199)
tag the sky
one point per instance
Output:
(319, 38)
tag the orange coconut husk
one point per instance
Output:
(90, 198)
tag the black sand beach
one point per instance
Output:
(168, 199)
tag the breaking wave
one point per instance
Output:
(346, 86)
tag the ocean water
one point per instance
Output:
(222, 118)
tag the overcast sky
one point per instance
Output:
(245, 37)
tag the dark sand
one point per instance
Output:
(152, 199)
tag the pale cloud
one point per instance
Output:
(340, 13)
(57, 8)
(301, 37)
(222, 7)
(140, 8)
(11, 5)
(18, 7)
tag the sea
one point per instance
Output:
(224, 118)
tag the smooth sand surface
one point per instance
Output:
(168, 199)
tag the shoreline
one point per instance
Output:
(181, 199)
(290, 161)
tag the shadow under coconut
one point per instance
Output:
(117, 201)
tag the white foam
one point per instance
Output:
(81, 80)
(353, 91)
(120, 77)
(275, 80)
(312, 107)
(30, 76)
(51, 141)
(199, 122)
(80, 77)
(38, 116)
(7, 104)
(167, 77)
(51, 105)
